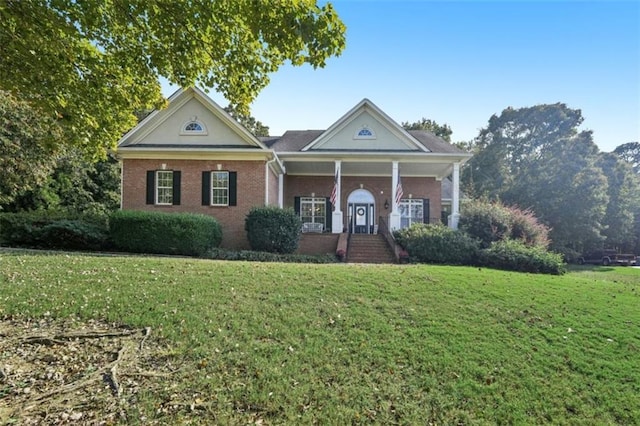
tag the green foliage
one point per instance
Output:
(512, 255)
(536, 158)
(249, 122)
(432, 243)
(273, 229)
(443, 131)
(164, 233)
(54, 229)
(75, 184)
(493, 221)
(28, 146)
(263, 256)
(630, 152)
(92, 64)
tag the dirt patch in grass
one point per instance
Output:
(70, 371)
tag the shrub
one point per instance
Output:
(54, 229)
(273, 229)
(490, 222)
(261, 256)
(487, 222)
(512, 255)
(164, 233)
(73, 235)
(437, 244)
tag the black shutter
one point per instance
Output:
(296, 205)
(206, 188)
(233, 188)
(425, 210)
(329, 215)
(176, 188)
(151, 187)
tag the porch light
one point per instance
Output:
(386, 204)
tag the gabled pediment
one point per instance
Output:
(192, 119)
(366, 128)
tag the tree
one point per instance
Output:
(249, 122)
(630, 152)
(535, 158)
(91, 64)
(623, 189)
(28, 144)
(443, 131)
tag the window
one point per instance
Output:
(163, 187)
(219, 188)
(411, 211)
(193, 127)
(313, 210)
(365, 133)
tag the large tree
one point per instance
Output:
(28, 145)
(441, 130)
(90, 64)
(249, 122)
(630, 152)
(535, 158)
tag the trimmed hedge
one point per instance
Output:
(54, 230)
(164, 233)
(432, 243)
(273, 229)
(512, 255)
(263, 256)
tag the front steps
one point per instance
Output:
(369, 248)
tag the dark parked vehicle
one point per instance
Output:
(607, 257)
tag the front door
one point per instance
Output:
(361, 219)
(361, 212)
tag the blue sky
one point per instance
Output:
(460, 62)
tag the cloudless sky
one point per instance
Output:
(460, 62)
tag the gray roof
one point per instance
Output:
(295, 140)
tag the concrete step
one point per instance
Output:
(365, 248)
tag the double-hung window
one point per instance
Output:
(313, 210)
(163, 187)
(219, 188)
(411, 211)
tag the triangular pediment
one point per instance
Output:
(366, 128)
(191, 119)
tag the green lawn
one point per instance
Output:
(265, 343)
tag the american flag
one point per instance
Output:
(334, 191)
(399, 192)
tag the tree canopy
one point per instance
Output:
(536, 158)
(28, 145)
(443, 131)
(249, 122)
(630, 152)
(91, 64)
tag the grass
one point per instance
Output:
(358, 344)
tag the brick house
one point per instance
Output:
(362, 172)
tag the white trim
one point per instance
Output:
(366, 105)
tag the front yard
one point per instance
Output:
(144, 340)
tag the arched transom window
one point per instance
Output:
(193, 127)
(364, 133)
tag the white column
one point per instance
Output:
(394, 217)
(455, 197)
(281, 190)
(336, 218)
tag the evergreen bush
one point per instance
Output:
(273, 229)
(513, 255)
(73, 235)
(164, 233)
(431, 243)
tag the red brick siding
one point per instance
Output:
(273, 188)
(380, 187)
(251, 188)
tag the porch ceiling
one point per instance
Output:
(369, 168)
